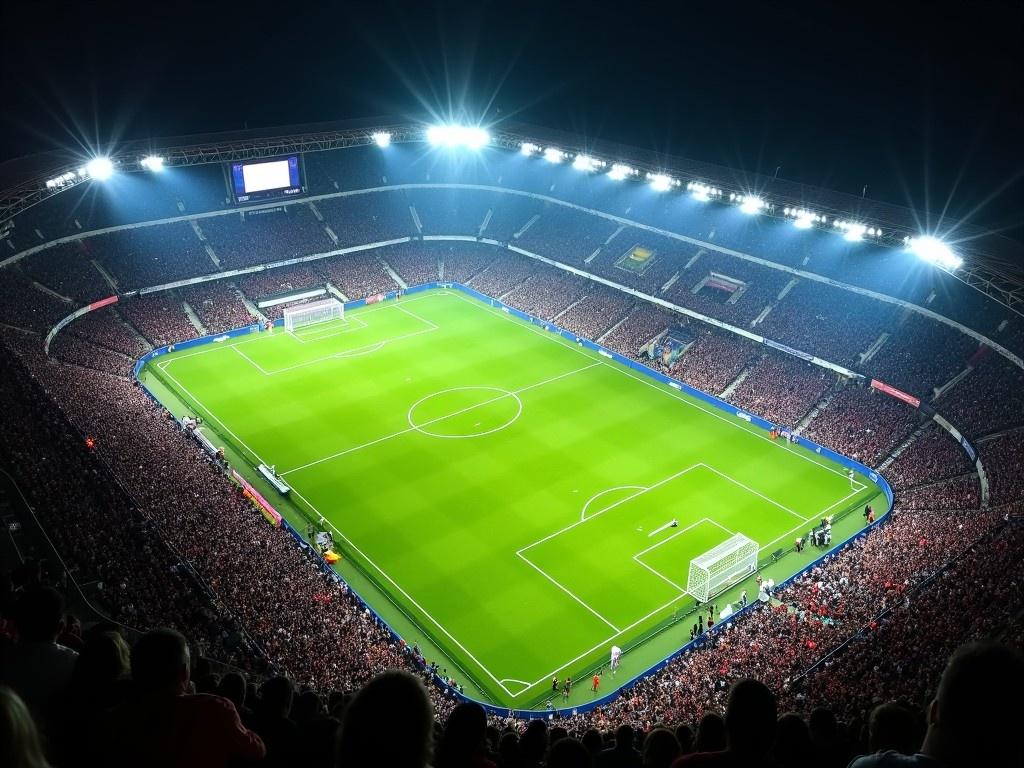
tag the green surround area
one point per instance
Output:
(501, 495)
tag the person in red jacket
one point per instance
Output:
(163, 725)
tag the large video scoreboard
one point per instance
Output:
(266, 179)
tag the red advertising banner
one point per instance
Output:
(272, 515)
(899, 395)
(103, 302)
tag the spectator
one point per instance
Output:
(270, 720)
(164, 725)
(568, 753)
(893, 727)
(710, 733)
(387, 723)
(463, 743)
(19, 740)
(793, 743)
(966, 726)
(660, 748)
(622, 754)
(750, 723)
(36, 667)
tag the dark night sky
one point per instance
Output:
(920, 101)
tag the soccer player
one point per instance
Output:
(849, 474)
(566, 688)
(554, 684)
(597, 682)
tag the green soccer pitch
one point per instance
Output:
(501, 495)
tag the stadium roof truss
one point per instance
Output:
(994, 274)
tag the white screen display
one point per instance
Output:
(263, 176)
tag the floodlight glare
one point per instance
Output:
(153, 163)
(660, 182)
(803, 220)
(100, 168)
(751, 204)
(381, 139)
(620, 171)
(587, 163)
(702, 192)
(528, 148)
(554, 155)
(933, 250)
(458, 136)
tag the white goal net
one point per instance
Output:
(722, 566)
(312, 313)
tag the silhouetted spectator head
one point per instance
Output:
(750, 717)
(534, 742)
(387, 723)
(232, 687)
(39, 615)
(684, 735)
(711, 733)
(19, 740)
(593, 742)
(792, 741)
(660, 748)
(568, 753)
(967, 725)
(306, 706)
(893, 727)
(624, 737)
(160, 662)
(276, 696)
(102, 661)
(508, 749)
(557, 733)
(464, 736)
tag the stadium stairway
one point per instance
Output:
(194, 319)
(740, 377)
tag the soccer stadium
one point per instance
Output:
(569, 434)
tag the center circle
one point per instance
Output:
(462, 412)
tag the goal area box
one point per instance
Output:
(719, 568)
(312, 313)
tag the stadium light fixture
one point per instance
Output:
(452, 136)
(99, 168)
(528, 148)
(381, 138)
(934, 251)
(661, 182)
(702, 192)
(554, 155)
(60, 181)
(621, 171)
(750, 204)
(587, 163)
(853, 231)
(153, 163)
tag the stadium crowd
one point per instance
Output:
(165, 540)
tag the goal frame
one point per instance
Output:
(327, 309)
(720, 567)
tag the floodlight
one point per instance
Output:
(153, 163)
(933, 250)
(528, 148)
(750, 204)
(620, 171)
(554, 155)
(458, 136)
(381, 139)
(100, 168)
(587, 163)
(803, 220)
(702, 192)
(660, 182)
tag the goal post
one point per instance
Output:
(312, 313)
(719, 568)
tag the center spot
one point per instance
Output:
(462, 412)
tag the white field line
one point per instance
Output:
(605, 509)
(250, 360)
(407, 596)
(592, 499)
(666, 540)
(328, 332)
(554, 581)
(748, 489)
(661, 576)
(438, 418)
(263, 335)
(352, 352)
(711, 411)
(401, 308)
(716, 523)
